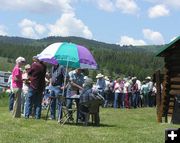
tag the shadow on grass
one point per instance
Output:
(89, 125)
(73, 123)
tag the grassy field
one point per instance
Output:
(117, 126)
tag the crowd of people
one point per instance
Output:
(33, 86)
(127, 92)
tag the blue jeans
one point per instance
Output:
(122, 100)
(11, 101)
(116, 99)
(134, 100)
(146, 99)
(23, 103)
(107, 98)
(34, 97)
(55, 91)
(150, 103)
(69, 106)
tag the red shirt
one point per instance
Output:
(37, 74)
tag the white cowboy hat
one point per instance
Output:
(106, 78)
(99, 75)
(134, 78)
(148, 77)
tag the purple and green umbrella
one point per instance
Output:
(68, 54)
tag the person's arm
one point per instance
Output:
(76, 85)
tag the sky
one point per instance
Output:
(123, 22)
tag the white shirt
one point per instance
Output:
(139, 84)
(127, 87)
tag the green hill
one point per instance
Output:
(112, 59)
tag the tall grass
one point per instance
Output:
(117, 126)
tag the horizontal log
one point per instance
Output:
(174, 92)
(170, 111)
(171, 75)
(176, 79)
(171, 104)
(174, 86)
(175, 83)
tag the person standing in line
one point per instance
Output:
(150, 89)
(107, 91)
(127, 92)
(134, 89)
(17, 84)
(138, 92)
(36, 74)
(25, 87)
(144, 92)
(122, 95)
(117, 92)
(100, 84)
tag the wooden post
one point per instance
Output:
(158, 97)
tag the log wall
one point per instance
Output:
(171, 83)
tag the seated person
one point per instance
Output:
(88, 97)
(76, 80)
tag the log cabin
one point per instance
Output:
(168, 88)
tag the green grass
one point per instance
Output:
(117, 126)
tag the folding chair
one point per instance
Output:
(67, 113)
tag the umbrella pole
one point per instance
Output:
(65, 77)
(59, 116)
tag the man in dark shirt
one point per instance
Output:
(36, 74)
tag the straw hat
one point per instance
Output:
(148, 77)
(99, 75)
(106, 78)
(134, 78)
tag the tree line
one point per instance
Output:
(113, 60)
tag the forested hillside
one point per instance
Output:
(112, 59)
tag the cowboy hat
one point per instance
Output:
(106, 78)
(99, 75)
(148, 77)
